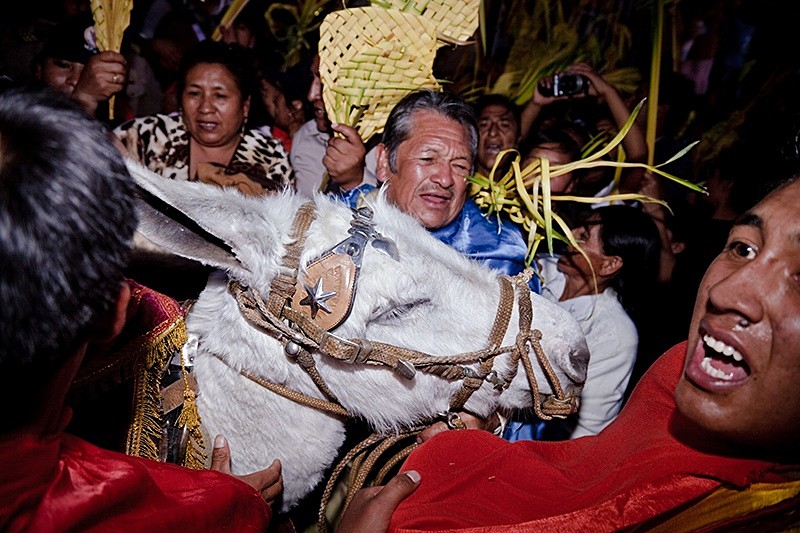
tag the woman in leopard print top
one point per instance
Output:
(208, 140)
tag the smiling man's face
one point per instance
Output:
(430, 182)
(742, 369)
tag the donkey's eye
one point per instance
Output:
(397, 311)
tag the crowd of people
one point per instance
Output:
(713, 418)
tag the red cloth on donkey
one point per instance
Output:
(634, 470)
(61, 483)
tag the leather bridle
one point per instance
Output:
(303, 331)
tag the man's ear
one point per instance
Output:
(382, 170)
(110, 326)
(610, 265)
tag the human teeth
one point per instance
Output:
(722, 348)
(705, 364)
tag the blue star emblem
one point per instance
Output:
(316, 298)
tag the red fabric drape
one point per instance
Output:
(62, 483)
(634, 470)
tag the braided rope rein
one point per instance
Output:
(301, 337)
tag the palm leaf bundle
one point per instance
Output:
(306, 20)
(524, 195)
(369, 59)
(550, 35)
(372, 57)
(111, 19)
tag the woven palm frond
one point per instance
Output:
(111, 18)
(455, 20)
(369, 59)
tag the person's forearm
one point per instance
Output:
(634, 143)
(87, 102)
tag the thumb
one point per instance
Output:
(221, 456)
(399, 488)
(349, 133)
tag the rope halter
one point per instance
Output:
(291, 315)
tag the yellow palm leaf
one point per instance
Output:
(369, 59)
(455, 20)
(228, 17)
(111, 19)
(524, 195)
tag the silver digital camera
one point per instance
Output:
(566, 85)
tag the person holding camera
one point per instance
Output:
(580, 81)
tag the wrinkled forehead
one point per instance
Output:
(428, 125)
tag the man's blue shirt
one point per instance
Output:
(476, 235)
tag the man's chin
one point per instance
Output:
(433, 222)
(323, 125)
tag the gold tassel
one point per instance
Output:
(190, 419)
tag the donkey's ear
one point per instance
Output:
(164, 220)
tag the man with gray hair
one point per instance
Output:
(428, 151)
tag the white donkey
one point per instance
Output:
(395, 295)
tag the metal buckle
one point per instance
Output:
(453, 421)
(361, 347)
(495, 379)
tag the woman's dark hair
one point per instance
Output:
(234, 57)
(565, 143)
(293, 84)
(631, 234)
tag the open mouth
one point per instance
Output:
(717, 364)
(492, 149)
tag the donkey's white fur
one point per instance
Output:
(433, 299)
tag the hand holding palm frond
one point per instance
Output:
(111, 18)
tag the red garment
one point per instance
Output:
(62, 483)
(283, 136)
(632, 471)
